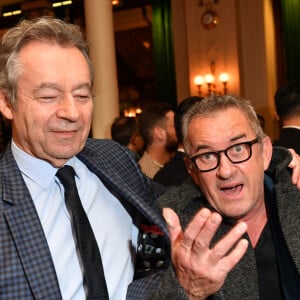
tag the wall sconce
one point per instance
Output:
(199, 80)
(132, 111)
(224, 77)
(210, 81)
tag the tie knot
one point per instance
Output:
(66, 175)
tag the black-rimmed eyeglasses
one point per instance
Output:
(236, 154)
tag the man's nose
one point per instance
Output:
(225, 168)
(68, 109)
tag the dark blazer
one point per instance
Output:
(26, 267)
(289, 138)
(242, 281)
(174, 172)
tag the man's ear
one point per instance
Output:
(133, 139)
(159, 133)
(191, 169)
(267, 151)
(5, 107)
(189, 165)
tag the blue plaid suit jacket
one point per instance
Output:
(26, 267)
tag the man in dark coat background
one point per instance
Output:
(287, 102)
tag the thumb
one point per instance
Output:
(173, 224)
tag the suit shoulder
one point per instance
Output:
(109, 154)
(179, 197)
(105, 147)
(97, 144)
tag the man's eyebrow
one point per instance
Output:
(202, 147)
(238, 137)
(60, 88)
(233, 139)
(82, 86)
(47, 86)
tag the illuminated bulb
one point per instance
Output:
(224, 77)
(209, 78)
(138, 110)
(198, 80)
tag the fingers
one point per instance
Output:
(200, 269)
(202, 226)
(173, 224)
(295, 165)
(200, 231)
(208, 230)
(231, 242)
(224, 245)
(230, 261)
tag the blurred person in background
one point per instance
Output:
(174, 172)
(156, 126)
(124, 130)
(287, 103)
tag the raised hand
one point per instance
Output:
(295, 166)
(201, 270)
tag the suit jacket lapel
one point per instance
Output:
(27, 233)
(121, 187)
(288, 202)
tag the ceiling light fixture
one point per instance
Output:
(12, 13)
(61, 3)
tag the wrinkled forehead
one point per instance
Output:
(219, 127)
(223, 118)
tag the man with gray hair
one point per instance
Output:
(227, 156)
(50, 249)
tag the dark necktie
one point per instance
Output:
(93, 275)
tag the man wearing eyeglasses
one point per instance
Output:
(243, 241)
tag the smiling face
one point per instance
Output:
(52, 115)
(234, 190)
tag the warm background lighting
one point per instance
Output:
(132, 111)
(224, 77)
(211, 82)
(209, 78)
(199, 80)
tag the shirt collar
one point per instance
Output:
(38, 170)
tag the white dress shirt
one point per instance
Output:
(113, 228)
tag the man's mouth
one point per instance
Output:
(232, 190)
(65, 134)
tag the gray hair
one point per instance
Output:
(44, 29)
(211, 105)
